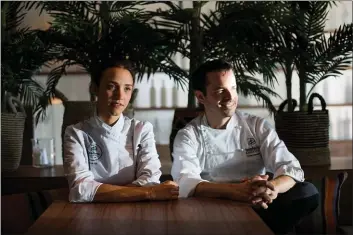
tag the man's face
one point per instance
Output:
(114, 92)
(221, 93)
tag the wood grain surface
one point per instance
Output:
(184, 216)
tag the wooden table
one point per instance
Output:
(185, 216)
(30, 179)
(338, 164)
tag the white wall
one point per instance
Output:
(339, 14)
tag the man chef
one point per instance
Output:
(225, 153)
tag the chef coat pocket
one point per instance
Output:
(254, 163)
(253, 153)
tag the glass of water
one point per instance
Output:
(43, 154)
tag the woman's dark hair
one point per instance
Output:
(199, 76)
(125, 64)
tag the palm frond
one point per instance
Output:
(338, 43)
(310, 19)
(331, 55)
(174, 19)
(22, 57)
(238, 31)
(12, 14)
(54, 77)
(88, 34)
(250, 86)
(44, 101)
(30, 92)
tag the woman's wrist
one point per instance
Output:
(151, 195)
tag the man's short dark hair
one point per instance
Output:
(125, 64)
(199, 76)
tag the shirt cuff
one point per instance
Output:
(187, 186)
(295, 172)
(145, 182)
(84, 191)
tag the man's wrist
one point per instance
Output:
(274, 183)
(132, 185)
(217, 190)
(283, 183)
(228, 190)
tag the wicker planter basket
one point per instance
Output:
(12, 128)
(306, 134)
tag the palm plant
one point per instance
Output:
(302, 46)
(23, 54)
(234, 31)
(87, 34)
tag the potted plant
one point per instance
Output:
(23, 54)
(302, 47)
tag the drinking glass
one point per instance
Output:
(43, 152)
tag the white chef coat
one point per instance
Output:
(96, 153)
(248, 146)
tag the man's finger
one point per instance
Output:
(169, 182)
(175, 192)
(270, 185)
(264, 205)
(256, 200)
(263, 183)
(266, 198)
(261, 204)
(244, 179)
(171, 186)
(258, 183)
(271, 193)
(261, 197)
(259, 177)
(258, 190)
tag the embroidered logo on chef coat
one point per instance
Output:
(94, 153)
(252, 150)
(251, 142)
